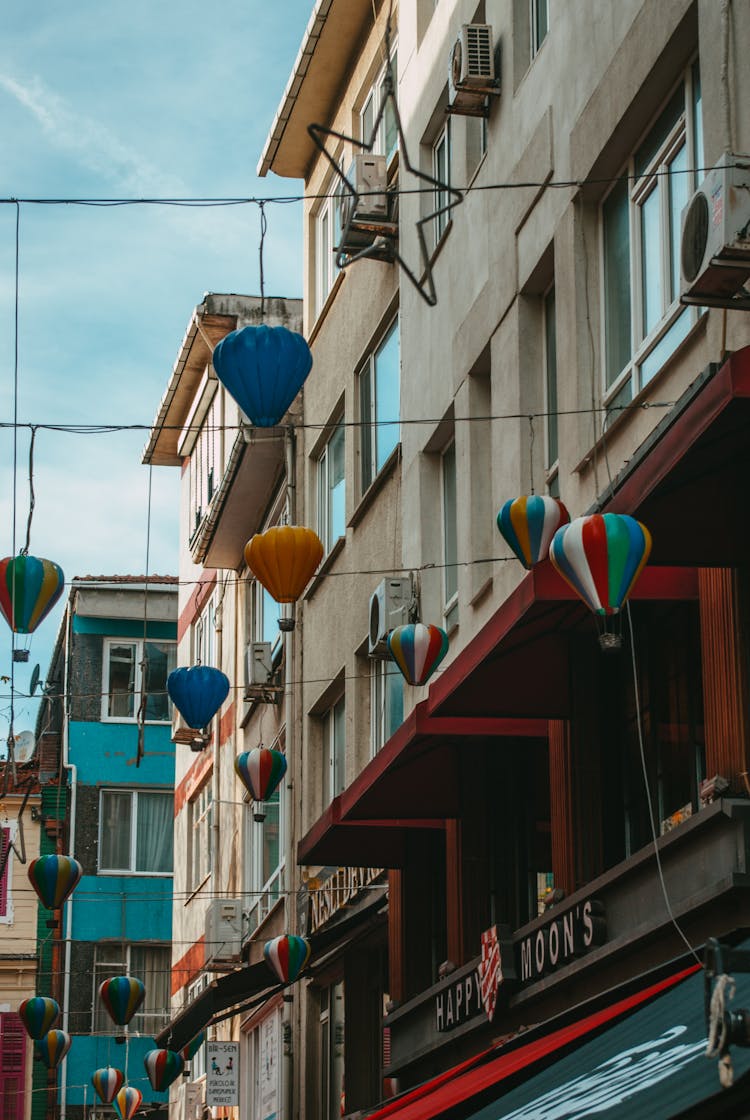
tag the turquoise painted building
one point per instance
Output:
(107, 701)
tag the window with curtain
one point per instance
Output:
(135, 671)
(150, 963)
(640, 228)
(135, 832)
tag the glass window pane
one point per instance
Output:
(661, 130)
(366, 416)
(665, 347)
(540, 22)
(550, 353)
(387, 396)
(336, 486)
(153, 844)
(115, 825)
(271, 843)
(338, 746)
(271, 611)
(450, 533)
(617, 281)
(651, 261)
(152, 965)
(697, 120)
(394, 700)
(368, 120)
(161, 659)
(122, 680)
(679, 193)
(389, 128)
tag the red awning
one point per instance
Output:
(460, 1084)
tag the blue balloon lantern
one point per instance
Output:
(263, 369)
(198, 693)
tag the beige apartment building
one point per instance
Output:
(581, 818)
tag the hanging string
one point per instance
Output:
(10, 767)
(32, 497)
(263, 228)
(144, 659)
(531, 451)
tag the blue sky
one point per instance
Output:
(123, 100)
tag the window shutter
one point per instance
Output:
(12, 1066)
(4, 842)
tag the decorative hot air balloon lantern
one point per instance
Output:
(38, 1015)
(284, 559)
(127, 1102)
(188, 1052)
(263, 368)
(260, 771)
(29, 589)
(417, 649)
(107, 1083)
(162, 1068)
(198, 693)
(52, 1048)
(54, 878)
(529, 523)
(122, 996)
(286, 956)
(601, 557)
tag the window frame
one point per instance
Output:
(143, 1022)
(373, 459)
(325, 503)
(327, 230)
(133, 795)
(384, 720)
(373, 101)
(551, 391)
(200, 863)
(649, 342)
(136, 694)
(264, 891)
(449, 534)
(539, 30)
(205, 464)
(441, 196)
(334, 749)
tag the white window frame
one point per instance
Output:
(383, 722)
(551, 405)
(539, 27)
(334, 747)
(449, 533)
(372, 460)
(327, 235)
(268, 1033)
(198, 1061)
(327, 530)
(134, 795)
(264, 891)
(137, 644)
(331, 1050)
(441, 170)
(371, 108)
(200, 821)
(113, 958)
(204, 635)
(652, 182)
(205, 465)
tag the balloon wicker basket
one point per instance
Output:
(259, 811)
(609, 642)
(286, 624)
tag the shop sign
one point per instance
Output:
(460, 1001)
(222, 1073)
(341, 887)
(561, 939)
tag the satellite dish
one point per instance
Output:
(34, 682)
(24, 746)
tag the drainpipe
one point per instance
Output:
(69, 766)
(216, 777)
(291, 815)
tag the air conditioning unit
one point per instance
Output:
(259, 664)
(472, 75)
(190, 1100)
(223, 931)
(389, 608)
(366, 215)
(715, 241)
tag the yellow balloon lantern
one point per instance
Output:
(284, 560)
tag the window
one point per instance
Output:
(386, 702)
(332, 490)
(150, 963)
(204, 635)
(132, 669)
(385, 141)
(200, 836)
(198, 1061)
(476, 143)
(550, 393)
(539, 24)
(6, 857)
(264, 857)
(264, 616)
(450, 535)
(643, 319)
(12, 1066)
(205, 464)
(262, 1087)
(441, 170)
(135, 832)
(379, 396)
(334, 742)
(327, 238)
(331, 1104)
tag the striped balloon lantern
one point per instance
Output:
(162, 1068)
(122, 996)
(417, 649)
(197, 693)
(263, 368)
(52, 1048)
(127, 1102)
(38, 1015)
(287, 955)
(29, 589)
(529, 523)
(54, 878)
(188, 1052)
(260, 771)
(107, 1083)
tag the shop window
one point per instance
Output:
(644, 321)
(135, 832)
(379, 400)
(262, 1085)
(200, 836)
(135, 673)
(150, 963)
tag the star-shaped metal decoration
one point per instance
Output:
(373, 232)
